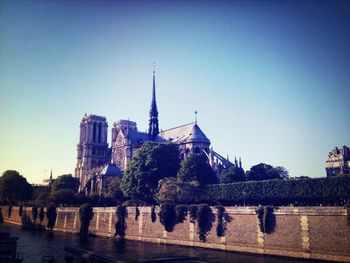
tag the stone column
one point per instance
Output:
(305, 240)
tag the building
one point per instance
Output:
(338, 162)
(96, 160)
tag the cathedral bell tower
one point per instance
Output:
(153, 129)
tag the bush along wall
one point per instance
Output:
(181, 213)
(205, 219)
(326, 191)
(167, 216)
(9, 211)
(35, 213)
(51, 215)
(153, 214)
(120, 226)
(85, 214)
(41, 214)
(223, 219)
(193, 213)
(137, 213)
(267, 219)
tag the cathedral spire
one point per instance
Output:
(153, 113)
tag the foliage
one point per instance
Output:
(25, 219)
(41, 214)
(195, 167)
(326, 191)
(170, 190)
(167, 216)
(9, 211)
(263, 171)
(181, 213)
(153, 214)
(153, 161)
(267, 220)
(134, 202)
(51, 215)
(63, 196)
(85, 214)
(20, 210)
(14, 188)
(231, 175)
(66, 181)
(137, 213)
(193, 213)
(1, 216)
(113, 188)
(120, 226)
(205, 219)
(35, 213)
(42, 199)
(221, 226)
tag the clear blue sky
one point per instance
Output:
(270, 80)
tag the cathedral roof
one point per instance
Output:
(185, 133)
(111, 170)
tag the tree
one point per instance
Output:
(113, 188)
(172, 191)
(66, 181)
(231, 175)
(14, 188)
(51, 215)
(63, 196)
(153, 161)
(85, 214)
(263, 171)
(196, 168)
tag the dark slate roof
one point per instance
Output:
(185, 133)
(111, 170)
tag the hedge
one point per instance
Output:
(330, 191)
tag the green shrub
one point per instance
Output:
(181, 213)
(153, 214)
(167, 216)
(205, 219)
(137, 213)
(26, 222)
(193, 213)
(85, 214)
(222, 225)
(267, 220)
(20, 210)
(120, 226)
(9, 211)
(41, 214)
(51, 215)
(35, 213)
(1, 217)
(326, 191)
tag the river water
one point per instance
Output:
(36, 244)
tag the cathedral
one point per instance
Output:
(96, 160)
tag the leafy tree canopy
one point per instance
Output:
(172, 191)
(152, 162)
(63, 196)
(263, 171)
(231, 175)
(113, 189)
(66, 181)
(14, 188)
(196, 168)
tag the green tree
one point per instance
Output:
(51, 215)
(14, 188)
(231, 175)
(63, 196)
(263, 171)
(196, 168)
(172, 191)
(113, 189)
(152, 162)
(85, 214)
(66, 181)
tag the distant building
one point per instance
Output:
(338, 162)
(96, 161)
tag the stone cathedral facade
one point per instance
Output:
(96, 160)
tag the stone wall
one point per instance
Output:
(303, 232)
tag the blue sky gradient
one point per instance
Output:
(270, 79)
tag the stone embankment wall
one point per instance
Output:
(303, 232)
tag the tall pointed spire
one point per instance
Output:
(153, 113)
